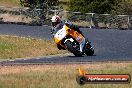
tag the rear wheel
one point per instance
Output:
(73, 50)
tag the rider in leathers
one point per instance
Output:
(57, 24)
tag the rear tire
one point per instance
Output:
(72, 49)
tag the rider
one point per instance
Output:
(57, 24)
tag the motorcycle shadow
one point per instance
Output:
(73, 56)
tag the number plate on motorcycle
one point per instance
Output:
(60, 34)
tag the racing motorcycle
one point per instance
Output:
(71, 40)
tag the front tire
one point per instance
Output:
(89, 50)
(72, 49)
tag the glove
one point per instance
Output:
(52, 30)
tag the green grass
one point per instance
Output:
(64, 4)
(5, 46)
(17, 47)
(58, 76)
(12, 3)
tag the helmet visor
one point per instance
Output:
(54, 24)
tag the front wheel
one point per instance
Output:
(89, 52)
(73, 50)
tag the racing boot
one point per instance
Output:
(82, 44)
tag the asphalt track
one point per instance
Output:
(109, 45)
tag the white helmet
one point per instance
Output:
(55, 20)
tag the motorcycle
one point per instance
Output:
(71, 40)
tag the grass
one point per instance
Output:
(18, 47)
(59, 76)
(10, 3)
(82, 23)
(64, 4)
